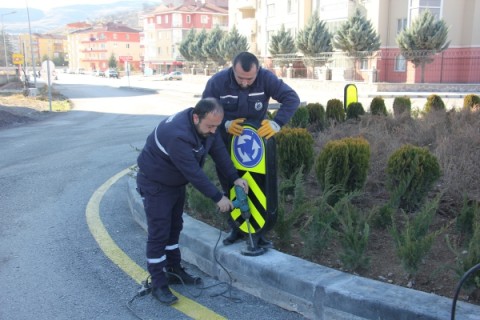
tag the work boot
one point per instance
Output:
(178, 275)
(233, 237)
(164, 295)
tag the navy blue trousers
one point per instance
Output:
(163, 208)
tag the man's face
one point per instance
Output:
(244, 78)
(209, 124)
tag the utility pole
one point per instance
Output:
(5, 42)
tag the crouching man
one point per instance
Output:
(173, 156)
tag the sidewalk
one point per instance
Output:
(315, 291)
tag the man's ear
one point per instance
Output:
(195, 119)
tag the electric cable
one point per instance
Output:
(459, 287)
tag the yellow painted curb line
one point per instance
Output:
(123, 261)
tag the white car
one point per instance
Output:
(175, 75)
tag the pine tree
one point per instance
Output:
(184, 47)
(314, 39)
(282, 42)
(424, 38)
(211, 46)
(356, 35)
(196, 47)
(232, 44)
(112, 62)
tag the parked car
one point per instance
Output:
(175, 75)
(112, 73)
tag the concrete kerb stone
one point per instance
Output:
(315, 291)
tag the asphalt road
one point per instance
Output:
(51, 266)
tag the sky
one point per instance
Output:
(48, 4)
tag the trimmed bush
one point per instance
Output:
(300, 118)
(343, 164)
(335, 110)
(377, 107)
(401, 106)
(355, 110)
(434, 103)
(471, 101)
(416, 169)
(316, 115)
(294, 151)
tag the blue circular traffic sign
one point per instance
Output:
(248, 148)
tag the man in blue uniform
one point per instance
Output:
(173, 156)
(245, 90)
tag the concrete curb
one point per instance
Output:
(295, 284)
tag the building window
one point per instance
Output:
(271, 10)
(363, 64)
(400, 63)
(159, 51)
(115, 36)
(401, 25)
(127, 36)
(127, 45)
(188, 19)
(292, 6)
(416, 7)
(166, 19)
(204, 19)
(159, 19)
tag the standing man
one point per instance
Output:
(245, 90)
(173, 156)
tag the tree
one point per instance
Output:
(356, 35)
(184, 47)
(112, 62)
(211, 46)
(196, 46)
(314, 39)
(232, 44)
(282, 43)
(423, 39)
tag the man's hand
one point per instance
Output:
(242, 183)
(234, 126)
(225, 204)
(268, 129)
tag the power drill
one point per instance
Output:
(241, 202)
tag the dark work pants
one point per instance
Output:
(163, 208)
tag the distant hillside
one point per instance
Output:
(54, 20)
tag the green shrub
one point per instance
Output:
(415, 168)
(355, 110)
(294, 150)
(470, 101)
(300, 118)
(434, 103)
(414, 240)
(377, 107)
(401, 106)
(316, 115)
(344, 164)
(335, 110)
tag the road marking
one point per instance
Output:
(124, 262)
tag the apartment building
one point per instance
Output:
(258, 20)
(90, 48)
(42, 45)
(166, 27)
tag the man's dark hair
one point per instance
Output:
(207, 105)
(246, 60)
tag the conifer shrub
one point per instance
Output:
(471, 101)
(344, 164)
(316, 115)
(300, 118)
(416, 169)
(377, 107)
(434, 103)
(294, 151)
(335, 110)
(402, 106)
(355, 110)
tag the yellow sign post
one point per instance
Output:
(17, 58)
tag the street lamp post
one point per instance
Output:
(5, 42)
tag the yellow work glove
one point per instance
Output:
(234, 126)
(268, 129)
